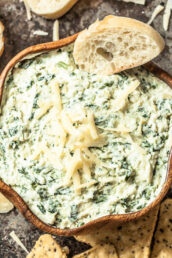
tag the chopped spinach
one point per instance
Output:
(53, 206)
(31, 116)
(14, 145)
(62, 191)
(62, 65)
(34, 185)
(13, 131)
(41, 78)
(99, 196)
(30, 84)
(145, 113)
(2, 151)
(25, 63)
(124, 163)
(41, 208)
(146, 144)
(43, 194)
(74, 212)
(128, 203)
(38, 170)
(141, 206)
(130, 176)
(10, 79)
(35, 105)
(23, 171)
(146, 129)
(147, 193)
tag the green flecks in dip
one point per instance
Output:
(135, 139)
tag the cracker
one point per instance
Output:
(163, 236)
(46, 247)
(131, 239)
(99, 251)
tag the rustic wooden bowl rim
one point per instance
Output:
(18, 201)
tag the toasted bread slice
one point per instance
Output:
(5, 204)
(52, 9)
(115, 44)
(1, 38)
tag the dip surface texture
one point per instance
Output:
(77, 146)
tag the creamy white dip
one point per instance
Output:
(128, 160)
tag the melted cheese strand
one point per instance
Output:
(56, 95)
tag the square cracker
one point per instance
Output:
(131, 239)
(99, 251)
(162, 247)
(46, 247)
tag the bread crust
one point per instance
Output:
(1, 38)
(54, 13)
(118, 23)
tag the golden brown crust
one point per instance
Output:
(55, 12)
(1, 38)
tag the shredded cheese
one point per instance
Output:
(166, 16)
(75, 164)
(136, 146)
(86, 170)
(77, 183)
(44, 107)
(28, 12)
(74, 129)
(120, 129)
(90, 157)
(120, 101)
(17, 240)
(52, 158)
(40, 33)
(156, 11)
(86, 184)
(91, 124)
(135, 1)
(67, 125)
(56, 30)
(56, 96)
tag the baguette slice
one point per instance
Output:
(5, 204)
(116, 44)
(1, 38)
(51, 9)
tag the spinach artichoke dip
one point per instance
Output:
(78, 146)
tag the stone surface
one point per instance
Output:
(19, 35)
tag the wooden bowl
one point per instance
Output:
(18, 201)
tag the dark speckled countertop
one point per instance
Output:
(19, 35)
